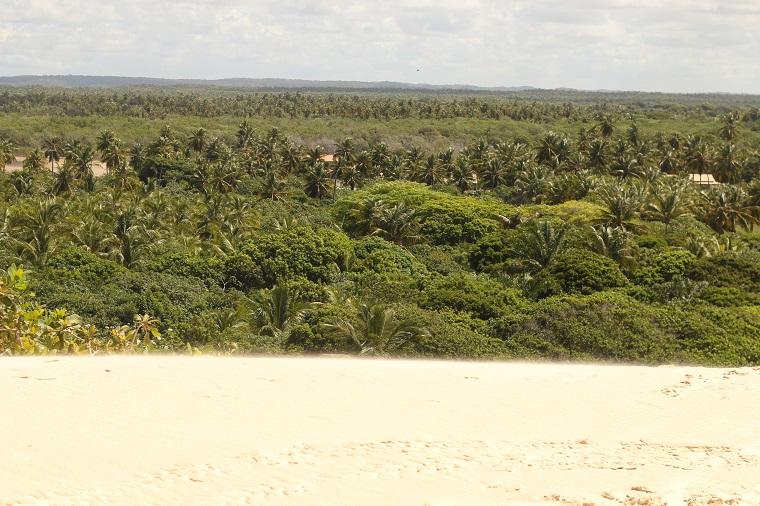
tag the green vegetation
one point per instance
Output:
(550, 229)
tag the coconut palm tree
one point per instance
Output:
(80, 157)
(493, 172)
(622, 204)
(376, 330)
(668, 202)
(613, 242)
(540, 244)
(317, 181)
(462, 175)
(597, 156)
(553, 149)
(532, 184)
(728, 165)
(271, 186)
(245, 135)
(400, 224)
(728, 129)
(275, 313)
(115, 157)
(34, 161)
(429, 172)
(698, 156)
(727, 207)
(35, 229)
(198, 141)
(605, 126)
(7, 153)
(53, 148)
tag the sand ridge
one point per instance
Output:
(214, 430)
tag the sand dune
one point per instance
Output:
(203, 430)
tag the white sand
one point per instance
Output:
(203, 430)
(98, 167)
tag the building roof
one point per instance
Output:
(328, 158)
(703, 179)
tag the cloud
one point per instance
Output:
(675, 45)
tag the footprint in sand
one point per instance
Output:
(680, 388)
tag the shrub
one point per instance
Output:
(446, 218)
(372, 254)
(604, 326)
(481, 297)
(449, 335)
(664, 266)
(582, 271)
(314, 254)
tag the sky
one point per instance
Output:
(649, 45)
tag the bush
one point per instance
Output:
(313, 254)
(664, 266)
(373, 254)
(481, 297)
(582, 271)
(446, 218)
(604, 325)
(449, 335)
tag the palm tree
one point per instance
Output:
(317, 181)
(728, 167)
(698, 155)
(622, 204)
(493, 172)
(532, 184)
(430, 172)
(7, 153)
(80, 157)
(376, 330)
(367, 216)
(400, 224)
(53, 148)
(726, 207)
(115, 157)
(553, 149)
(344, 153)
(271, 186)
(38, 240)
(668, 203)
(198, 141)
(34, 161)
(598, 155)
(352, 177)
(540, 244)
(605, 126)
(104, 140)
(462, 175)
(137, 155)
(314, 155)
(245, 136)
(728, 129)
(613, 242)
(276, 314)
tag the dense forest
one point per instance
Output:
(588, 241)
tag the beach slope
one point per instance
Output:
(337, 431)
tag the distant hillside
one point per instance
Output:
(74, 81)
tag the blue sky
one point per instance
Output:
(657, 45)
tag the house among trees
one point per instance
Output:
(703, 180)
(328, 159)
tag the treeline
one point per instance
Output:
(518, 106)
(595, 246)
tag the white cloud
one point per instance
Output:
(674, 45)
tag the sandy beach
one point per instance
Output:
(337, 431)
